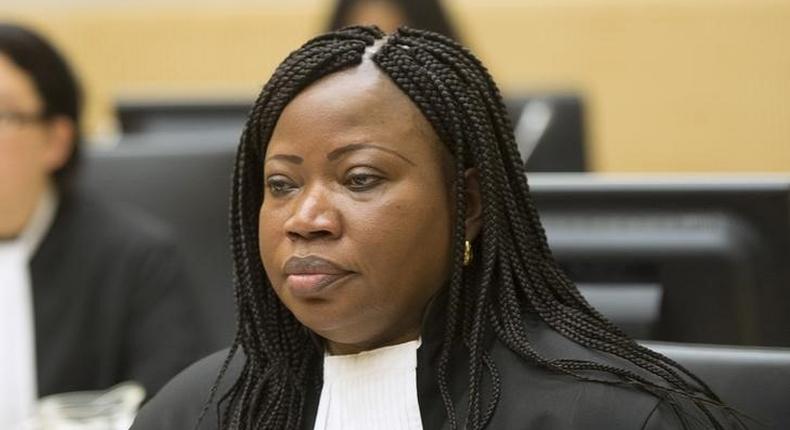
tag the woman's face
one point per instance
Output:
(355, 222)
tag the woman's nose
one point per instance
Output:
(314, 217)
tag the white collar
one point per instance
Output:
(374, 389)
(17, 330)
(387, 358)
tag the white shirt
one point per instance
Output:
(18, 388)
(371, 390)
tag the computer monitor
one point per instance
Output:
(185, 182)
(549, 130)
(679, 258)
(181, 115)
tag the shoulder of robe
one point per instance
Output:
(546, 399)
(179, 403)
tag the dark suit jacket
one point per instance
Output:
(112, 301)
(531, 398)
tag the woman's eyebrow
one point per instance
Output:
(295, 159)
(343, 150)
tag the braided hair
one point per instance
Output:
(513, 273)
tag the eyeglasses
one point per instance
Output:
(9, 119)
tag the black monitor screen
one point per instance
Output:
(695, 258)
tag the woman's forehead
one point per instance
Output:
(354, 103)
(362, 91)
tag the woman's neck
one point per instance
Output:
(337, 348)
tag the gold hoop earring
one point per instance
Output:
(467, 252)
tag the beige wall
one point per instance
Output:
(670, 84)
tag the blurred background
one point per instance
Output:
(667, 85)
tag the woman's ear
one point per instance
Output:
(60, 142)
(474, 205)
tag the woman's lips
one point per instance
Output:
(311, 285)
(311, 275)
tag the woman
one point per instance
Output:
(392, 271)
(86, 284)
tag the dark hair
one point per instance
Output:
(54, 80)
(424, 14)
(513, 272)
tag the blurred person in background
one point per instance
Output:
(388, 15)
(91, 293)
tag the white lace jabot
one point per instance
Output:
(371, 390)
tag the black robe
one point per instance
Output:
(532, 398)
(111, 300)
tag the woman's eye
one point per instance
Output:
(279, 185)
(362, 181)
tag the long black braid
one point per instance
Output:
(513, 273)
